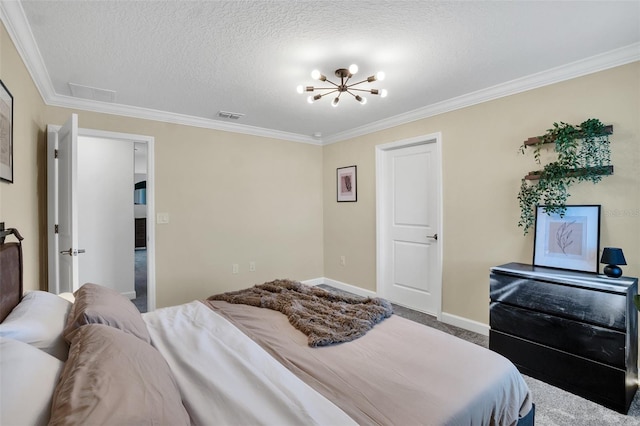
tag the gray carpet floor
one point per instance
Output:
(141, 280)
(554, 406)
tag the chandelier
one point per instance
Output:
(344, 86)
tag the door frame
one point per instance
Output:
(150, 193)
(382, 175)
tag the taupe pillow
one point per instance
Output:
(114, 378)
(96, 304)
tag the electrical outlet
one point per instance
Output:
(252, 266)
(235, 268)
(343, 260)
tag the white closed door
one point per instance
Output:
(408, 227)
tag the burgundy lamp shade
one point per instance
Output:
(613, 257)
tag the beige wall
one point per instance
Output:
(231, 198)
(234, 198)
(22, 202)
(481, 176)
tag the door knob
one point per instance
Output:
(72, 252)
(434, 237)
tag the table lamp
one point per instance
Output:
(613, 257)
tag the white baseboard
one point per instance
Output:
(129, 294)
(341, 286)
(313, 281)
(464, 323)
(467, 324)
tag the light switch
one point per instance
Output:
(162, 217)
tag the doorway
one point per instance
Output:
(102, 180)
(140, 217)
(408, 216)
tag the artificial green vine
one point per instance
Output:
(583, 155)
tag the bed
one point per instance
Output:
(97, 360)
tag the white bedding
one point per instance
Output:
(226, 378)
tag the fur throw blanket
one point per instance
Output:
(325, 317)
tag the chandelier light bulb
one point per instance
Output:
(383, 93)
(361, 100)
(380, 76)
(353, 68)
(334, 103)
(300, 89)
(317, 75)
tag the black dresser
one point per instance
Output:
(574, 330)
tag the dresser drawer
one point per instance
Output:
(581, 304)
(585, 340)
(606, 385)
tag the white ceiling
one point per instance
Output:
(183, 61)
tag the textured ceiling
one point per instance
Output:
(195, 58)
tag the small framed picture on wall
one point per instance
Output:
(6, 134)
(347, 184)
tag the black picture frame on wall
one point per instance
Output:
(347, 189)
(570, 241)
(6, 134)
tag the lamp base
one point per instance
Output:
(613, 271)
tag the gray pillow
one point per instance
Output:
(96, 304)
(114, 378)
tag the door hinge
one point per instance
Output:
(55, 153)
(56, 229)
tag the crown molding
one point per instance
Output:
(15, 21)
(174, 118)
(601, 62)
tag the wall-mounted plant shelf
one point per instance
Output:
(582, 155)
(603, 171)
(608, 130)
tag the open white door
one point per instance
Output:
(72, 215)
(63, 208)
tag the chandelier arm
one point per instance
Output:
(360, 82)
(326, 88)
(328, 93)
(363, 90)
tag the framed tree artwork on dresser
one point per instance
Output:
(568, 241)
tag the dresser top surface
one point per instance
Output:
(582, 279)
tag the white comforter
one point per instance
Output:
(227, 379)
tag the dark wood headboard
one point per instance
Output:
(10, 272)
